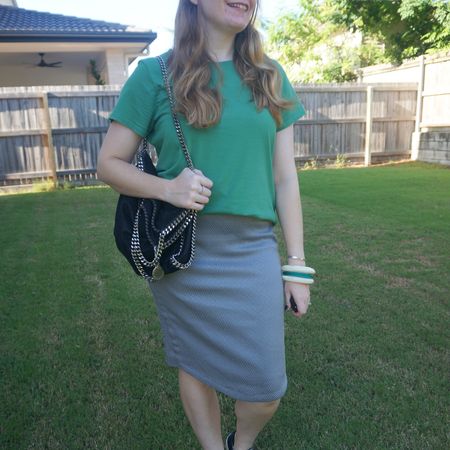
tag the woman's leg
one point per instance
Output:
(201, 406)
(251, 418)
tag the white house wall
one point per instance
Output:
(17, 76)
(116, 67)
(18, 63)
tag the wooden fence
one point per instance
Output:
(362, 122)
(56, 132)
(431, 136)
(53, 132)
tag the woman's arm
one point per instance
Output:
(190, 189)
(290, 212)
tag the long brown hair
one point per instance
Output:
(190, 67)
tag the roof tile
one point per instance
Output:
(25, 20)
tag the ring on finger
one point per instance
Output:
(201, 192)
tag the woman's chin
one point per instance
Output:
(237, 27)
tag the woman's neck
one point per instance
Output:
(220, 46)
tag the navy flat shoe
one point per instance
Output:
(230, 442)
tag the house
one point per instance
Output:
(41, 48)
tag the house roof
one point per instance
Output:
(24, 25)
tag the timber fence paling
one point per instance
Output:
(66, 124)
(337, 121)
(74, 119)
(432, 102)
(369, 116)
(434, 92)
(48, 138)
(433, 114)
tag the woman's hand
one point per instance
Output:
(190, 190)
(300, 294)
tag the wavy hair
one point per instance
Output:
(190, 67)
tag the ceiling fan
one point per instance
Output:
(42, 63)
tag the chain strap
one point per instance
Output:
(176, 122)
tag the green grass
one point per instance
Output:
(81, 351)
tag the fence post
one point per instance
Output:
(415, 141)
(48, 138)
(420, 94)
(367, 149)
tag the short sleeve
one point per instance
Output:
(292, 114)
(136, 105)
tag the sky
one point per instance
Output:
(157, 15)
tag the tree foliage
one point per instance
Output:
(407, 28)
(315, 48)
(328, 40)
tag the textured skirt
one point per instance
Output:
(223, 318)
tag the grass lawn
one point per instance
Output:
(81, 351)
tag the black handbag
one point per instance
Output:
(154, 236)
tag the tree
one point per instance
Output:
(328, 40)
(407, 28)
(315, 48)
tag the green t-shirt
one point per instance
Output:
(236, 153)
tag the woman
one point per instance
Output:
(222, 319)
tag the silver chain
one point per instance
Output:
(176, 122)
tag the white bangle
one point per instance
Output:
(298, 269)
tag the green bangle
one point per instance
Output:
(298, 279)
(298, 275)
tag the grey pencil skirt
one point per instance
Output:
(223, 318)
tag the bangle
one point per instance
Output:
(298, 274)
(298, 269)
(296, 257)
(297, 279)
